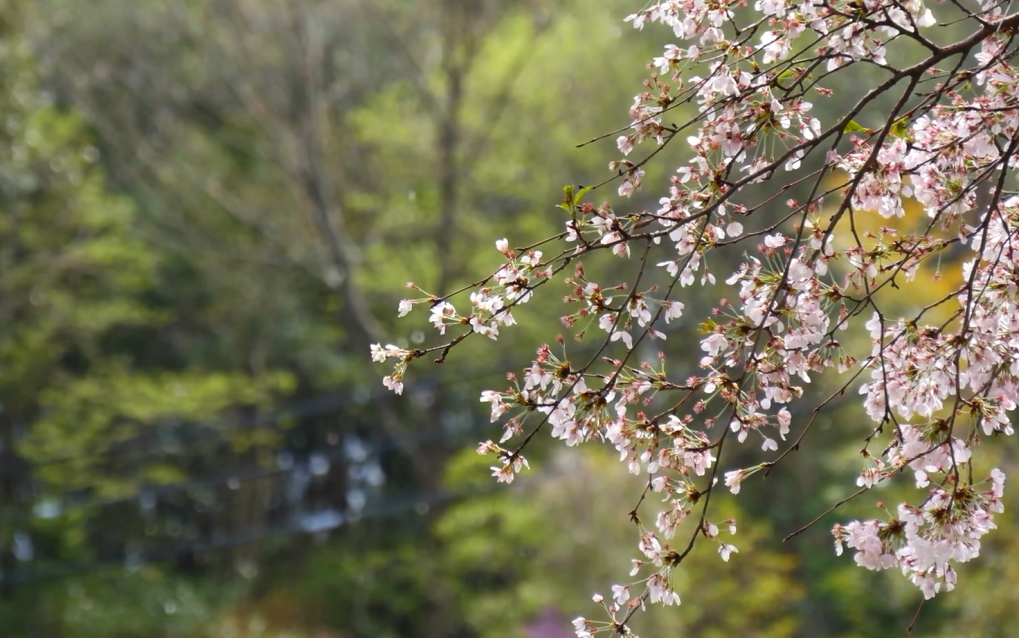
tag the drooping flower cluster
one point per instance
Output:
(923, 541)
(932, 388)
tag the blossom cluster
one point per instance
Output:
(808, 276)
(923, 541)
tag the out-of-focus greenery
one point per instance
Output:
(558, 537)
(208, 211)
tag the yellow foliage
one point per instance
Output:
(939, 275)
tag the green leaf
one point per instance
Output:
(581, 191)
(572, 196)
(854, 127)
(900, 127)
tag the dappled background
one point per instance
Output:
(209, 209)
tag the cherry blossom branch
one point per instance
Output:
(742, 88)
